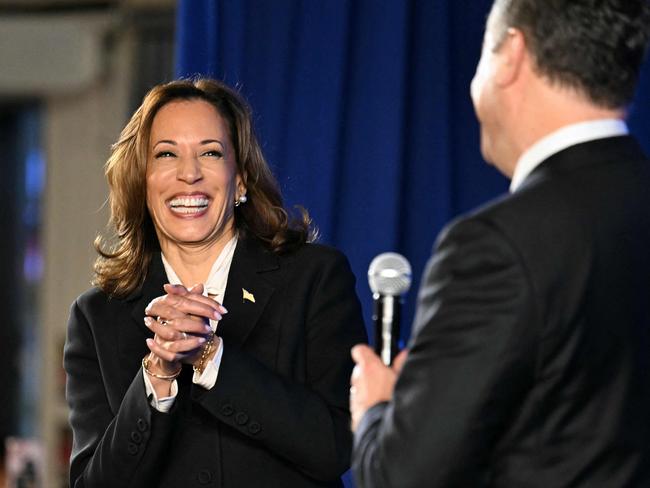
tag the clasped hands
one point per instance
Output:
(180, 321)
(372, 382)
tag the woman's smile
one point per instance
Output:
(189, 205)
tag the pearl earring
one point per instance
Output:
(242, 199)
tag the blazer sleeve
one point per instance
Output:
(307, 424)
(110, 448)
(471, 362)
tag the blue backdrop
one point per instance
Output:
(363, 110)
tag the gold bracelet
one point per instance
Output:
(207, 349)
(166, 377)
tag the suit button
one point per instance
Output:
(227, 410)
(254, 428)
(142, 425)
(204, 476)
(241, 418)
(136, 437)
(133, 449)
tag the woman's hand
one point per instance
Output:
(181, 325)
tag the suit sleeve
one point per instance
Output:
(109, 448)
(307, 424)
(471, 362)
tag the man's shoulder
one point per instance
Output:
(563, 212)
(524, 218)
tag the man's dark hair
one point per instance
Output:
(594, 46)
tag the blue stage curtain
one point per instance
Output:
(363, 110)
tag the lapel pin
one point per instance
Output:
(247, 295)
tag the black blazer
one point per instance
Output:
(278, 414)
(530, 363)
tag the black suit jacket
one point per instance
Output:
(529, 365)
(278, 414)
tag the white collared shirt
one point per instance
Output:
(215, 287)
(562, 138)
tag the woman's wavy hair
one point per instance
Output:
(124, 257)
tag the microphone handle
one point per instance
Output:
(386, 317)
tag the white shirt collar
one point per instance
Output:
(562, 138)
(215, 285)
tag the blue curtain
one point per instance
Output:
(363, 110)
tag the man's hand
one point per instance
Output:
(372, 382)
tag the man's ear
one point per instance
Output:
(512, 54)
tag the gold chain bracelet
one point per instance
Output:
(207, 349)
(166, 377)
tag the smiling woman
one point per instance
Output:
(134, 158)
(192, 178)
(164, 388)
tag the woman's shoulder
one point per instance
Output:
(306, 252)
(96, 299)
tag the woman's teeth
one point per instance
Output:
(188, 205)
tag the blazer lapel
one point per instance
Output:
(247, 292)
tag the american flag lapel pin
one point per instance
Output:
(247, 296)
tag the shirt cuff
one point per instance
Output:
(163, 404)
(208, 378)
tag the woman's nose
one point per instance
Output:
(189, 170)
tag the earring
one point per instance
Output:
(242, 199)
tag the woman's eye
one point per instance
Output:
(213, 153)
(164, 154)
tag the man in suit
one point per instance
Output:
(530, 361)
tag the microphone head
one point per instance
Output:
(389, 274)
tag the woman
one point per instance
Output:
(214, 349)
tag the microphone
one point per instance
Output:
(389, 277)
